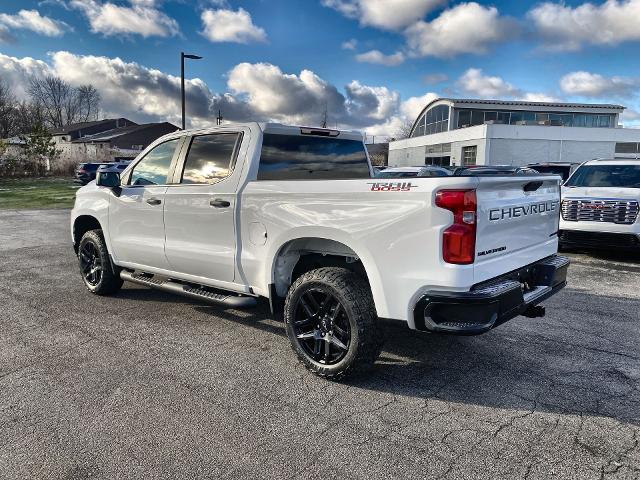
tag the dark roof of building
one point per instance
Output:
(72, 127)
(534, 104)
(109, 135)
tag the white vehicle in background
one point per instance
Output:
(408, 172)
(291, 214)
(600, 204)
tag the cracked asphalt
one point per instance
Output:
(148, 385)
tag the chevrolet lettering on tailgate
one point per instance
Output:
(498, 214)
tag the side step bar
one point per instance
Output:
(227, 299)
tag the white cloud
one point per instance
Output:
(284, 97)
(350, 44)
(631, 118)
(433, 78)
(32, 20)
(379, 58)
(588, 84)
(563, 27)
(17, 71)
(5, 35)
(141, 18)
(465, 28)
(539, 97)
(376, 103)
(474, 82)
(412, 106)
(229, 26)
(385, 14)
(255, 92)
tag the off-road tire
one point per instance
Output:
(109, 281)
(354, 294)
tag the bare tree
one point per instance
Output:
(88, 103)
(28, 116)
(7, 114)
(403, 131)
(52, 95)
(62, 104)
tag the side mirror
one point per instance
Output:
(108, 178)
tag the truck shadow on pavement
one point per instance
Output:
(521, 365)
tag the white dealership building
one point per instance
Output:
(494, 132)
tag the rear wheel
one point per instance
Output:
(98, 274)
(331, 322)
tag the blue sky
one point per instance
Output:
(371, 63)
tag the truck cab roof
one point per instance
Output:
(279, 128)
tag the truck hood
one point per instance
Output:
(601, 192)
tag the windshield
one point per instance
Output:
(396, 174)
(622, 176)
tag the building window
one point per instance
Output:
(435, 120)
(469, 155)
(626, 147)
(468, 117)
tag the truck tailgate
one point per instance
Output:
(517, 222)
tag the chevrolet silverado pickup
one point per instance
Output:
(292, 214)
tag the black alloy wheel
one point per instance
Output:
(90, 263)
(331, 322)
(321, 326)
(99, 275)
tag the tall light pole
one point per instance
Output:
(182, 57)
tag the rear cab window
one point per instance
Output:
(306, 157)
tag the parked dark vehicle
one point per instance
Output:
(563, 169)
(478, 170)
(407, 172)
(86, 172)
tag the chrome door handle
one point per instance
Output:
(219, 203)
(154, 201)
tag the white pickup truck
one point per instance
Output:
(237, 212)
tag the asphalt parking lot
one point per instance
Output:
(147, 385)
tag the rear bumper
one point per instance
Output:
(591, 239)
(493, 302)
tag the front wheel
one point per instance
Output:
(95, 265)
(331, 322)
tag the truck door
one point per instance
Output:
(199, 211)
(136, 223)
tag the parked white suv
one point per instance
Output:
(600, 203)
(238, 212)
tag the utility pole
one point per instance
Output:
(219, 118)
(324, 116)
(182, 57)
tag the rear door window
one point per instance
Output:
(299, 157)
(210, 158)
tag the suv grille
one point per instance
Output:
(611, 211)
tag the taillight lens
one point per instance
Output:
(459, 240)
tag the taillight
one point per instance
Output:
(459, 240)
